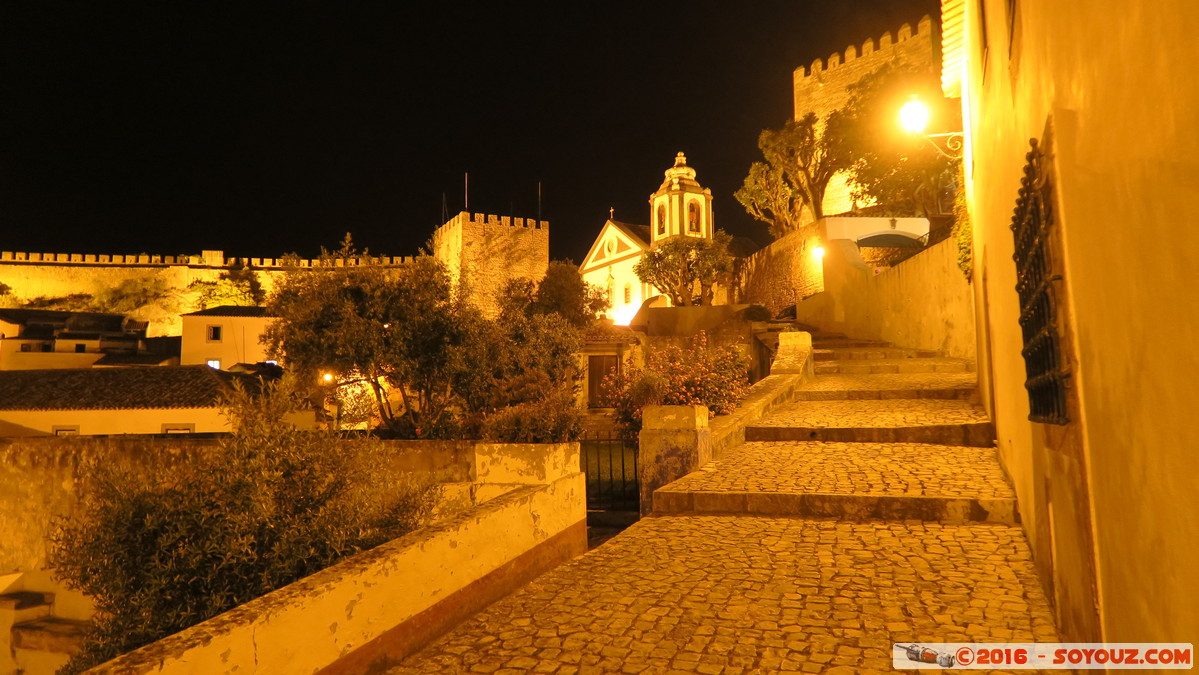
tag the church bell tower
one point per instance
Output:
(680, 207)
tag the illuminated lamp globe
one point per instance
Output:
(327, 378)
(914, 116)
(818, 252)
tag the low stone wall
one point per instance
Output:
(376, 607)
(925, 302)
(785, 272)
(676, 440)
(40, 480)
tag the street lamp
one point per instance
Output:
(913, 116)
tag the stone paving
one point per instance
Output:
(911, 469)
(875, 414)
(751, 593)
(880, 366)
(860, 386)
(741, 594)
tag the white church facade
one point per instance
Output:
(680, 207)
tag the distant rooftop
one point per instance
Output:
(117, 388)
(230, 310)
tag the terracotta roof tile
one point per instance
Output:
(116, 388)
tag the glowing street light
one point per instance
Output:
(327, 378)
(914, 116)
(818, 252)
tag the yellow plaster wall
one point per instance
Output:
(620, 273)
(923, 302)
(102, 422)
(239, 340)
(1118, 84)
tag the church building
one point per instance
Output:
(680, 207)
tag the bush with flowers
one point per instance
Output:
(696, 374)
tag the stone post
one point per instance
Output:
(675, 440)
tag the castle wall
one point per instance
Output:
(822, 86)
(785, 272)
(56, 275)
(484, 252)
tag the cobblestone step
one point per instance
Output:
(742, 594)
(895, 481)
(22, 606)
(49, 634)
(863, 354)
(948, 422)
(886, 366)
(960, 386)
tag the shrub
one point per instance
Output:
(552, 419)
(268, 506)
(698, 374)
(757, 313)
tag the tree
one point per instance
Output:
(161, 551)
(561, 291)
(390, 328)
(239, 286)
(800, 159)
(682, 266)
(902, 175)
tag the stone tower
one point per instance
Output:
(680, 206)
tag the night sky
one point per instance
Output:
(268, 128)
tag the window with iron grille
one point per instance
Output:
(1044, 368)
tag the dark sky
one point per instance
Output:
(266, 128)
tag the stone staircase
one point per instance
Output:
(880, 432)
(803, 554)
(40, 643)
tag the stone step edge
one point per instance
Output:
(974, 435)
(867, 354)
(843, 506)
(49, 634)
(867, 367)
(945, 393)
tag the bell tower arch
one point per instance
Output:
(681, 206)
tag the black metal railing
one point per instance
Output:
(1045, 369)
(610, 463)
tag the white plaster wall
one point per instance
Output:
(1119, 82)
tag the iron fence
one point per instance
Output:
(610, 463)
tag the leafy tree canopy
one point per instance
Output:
(787, 189)
(687, 269)
(561, 291)
(903, 174)
(238, 286)
(388, 327)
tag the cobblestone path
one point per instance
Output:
(738, 592)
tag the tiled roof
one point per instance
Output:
(116, 388)
(134, 359)
(640, 232)
(230, 310)
(59, 317)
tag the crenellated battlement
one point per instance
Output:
(211, 259)
(885, 44)
(467, 218)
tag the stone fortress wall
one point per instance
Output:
(492, 249)
(822, 87)
(485, 252)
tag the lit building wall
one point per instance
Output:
(1108, 500)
